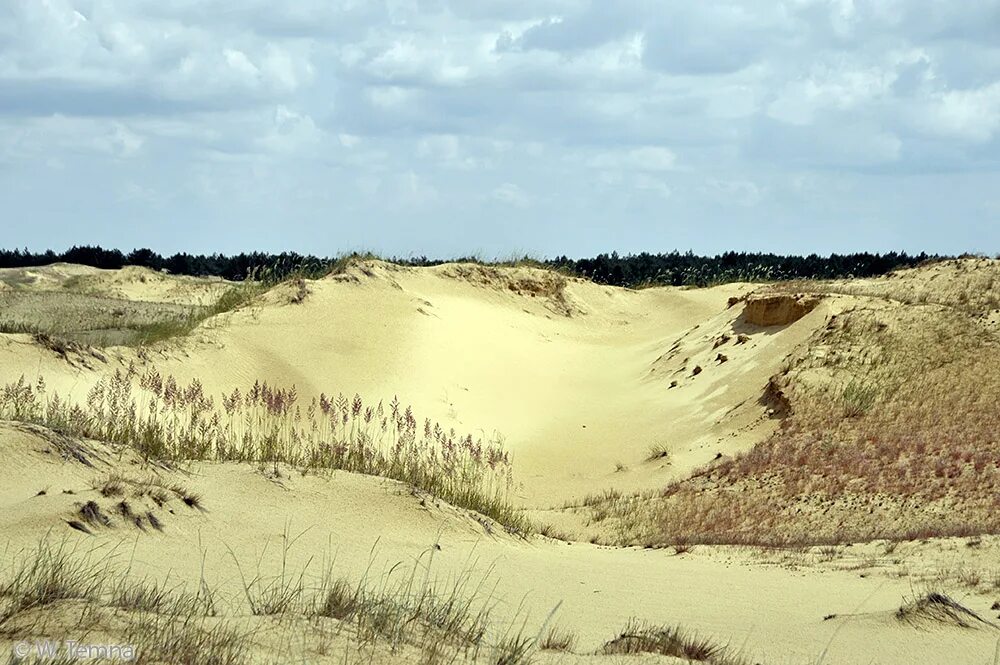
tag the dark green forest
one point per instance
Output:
(630, 270)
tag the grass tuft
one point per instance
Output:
(938, 607)
(640, 638)
(859, 398)
(657, 451)
(557, 639)
(47, 575)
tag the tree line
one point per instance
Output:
(630, 270)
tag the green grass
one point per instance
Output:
(859, 398)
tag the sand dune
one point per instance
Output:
(581, 380)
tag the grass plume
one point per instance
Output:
(165, 420)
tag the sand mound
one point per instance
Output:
(523, 281)
(133, 283)
(559, 367)
(142, 284)
(45, 278)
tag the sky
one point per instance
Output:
(501, 127)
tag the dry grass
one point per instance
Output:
(529, 281)
(187, 640)
(657, 452)
(235, 297)
(75, 321)
(404, 606)
(151, 486)
(550, 531)
(48, 575)
(63, 321)
(167, 421)
(132, 501)
(157, 598)
(920, 462)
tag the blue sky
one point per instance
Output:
(496, 127)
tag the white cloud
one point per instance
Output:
(740, 192)
(58, 136)
(240, 63)
(648, 183)
(388, 96)
(972, 115)
(292, 132)
(440, 110)
(348, 140)
(829, 89)
(411, 189)
(512, 195)
(121, 141)
(645, 158)
(441, 147)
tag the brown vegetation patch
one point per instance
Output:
(890, 431)
(67, 447)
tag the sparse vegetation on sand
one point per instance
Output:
(236, 296)
(167, 421)
(839, 415)
(969, 285)
(59, 588)
(403, 612)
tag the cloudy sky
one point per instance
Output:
(548, 127)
